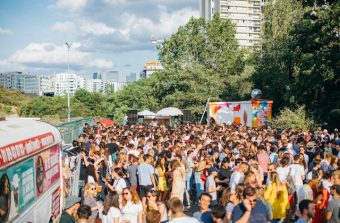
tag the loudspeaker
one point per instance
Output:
(186, 116)
(132, 116)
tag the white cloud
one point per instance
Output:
(115, 2)
(71, 5)
(96, 28)
(5, 31)
(42, 55)
(63, 27)
(136, 27)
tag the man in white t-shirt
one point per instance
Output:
(238, 175)
(283, 170)
(177, 212)
(297, 172)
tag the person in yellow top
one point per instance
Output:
(162, 186)
(276, 193)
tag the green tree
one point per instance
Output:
(299, 64)
(201, 60)
(315, 53)
(296, 119)
(273, 74)
(210, 44)
(92, 102)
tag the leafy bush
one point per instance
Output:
(296, 119)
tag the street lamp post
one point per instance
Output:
(68, 44)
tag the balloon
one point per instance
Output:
(256, 94)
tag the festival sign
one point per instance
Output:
(20, 189)
(255, 113)
(14, 152)
(47, 169)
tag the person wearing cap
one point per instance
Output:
(211, 187)
(71, 206)
(333, 209)
(310, 151)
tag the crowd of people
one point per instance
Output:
(204, 174)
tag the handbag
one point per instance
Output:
(204, 176)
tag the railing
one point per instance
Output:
(71, 130)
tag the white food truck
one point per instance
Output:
(30, 171)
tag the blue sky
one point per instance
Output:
(105, 34)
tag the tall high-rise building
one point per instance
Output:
(65, 83)
(46, 85)
(95, 85)
(112, 76)
(97, 76)
(26, 83)
(131, 77)
(246, 14)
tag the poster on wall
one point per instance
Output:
(55, 209)
(47, 169)
(17, 189)
(262, 113)
(249, 113)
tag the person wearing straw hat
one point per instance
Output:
(71, 206)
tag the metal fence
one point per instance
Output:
(71, 130)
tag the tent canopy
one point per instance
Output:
(146, 113)
(107, 121)
(169, 112)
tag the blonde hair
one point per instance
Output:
(88, 186)
(274, 177)
(92, 151)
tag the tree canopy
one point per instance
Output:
(300, 59)
(298, 65)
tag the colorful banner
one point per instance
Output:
(17, 189)
(17, 151)
(249, 113)
(262, 112)
(47, 169)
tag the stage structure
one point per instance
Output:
(253, 113)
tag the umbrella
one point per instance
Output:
(170, 111)
(147, 113)
(106, 121)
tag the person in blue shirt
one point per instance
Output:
(307, 210)
(203, 215)
(251, 210)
